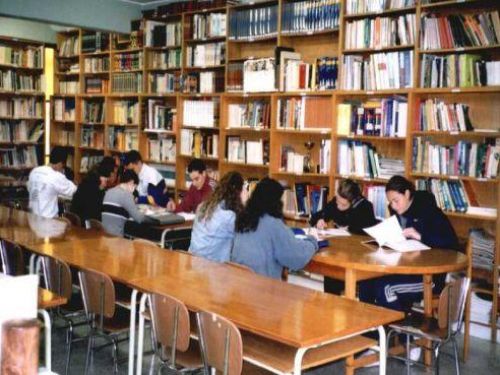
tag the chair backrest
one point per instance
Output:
(11, 258)
(57, 276)
(452, 303)
(176, 238)
(239, 266)
(221, 345)
(73, 218)
(170, 318)
(94, 224)
(98, 293)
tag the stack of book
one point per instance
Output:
(30, 57)
(69, 87)
(376, 195)
(255, 114)
(127, 82)
(380, 32)
(123, 62)
(88, 161)
(122, 139)
(66, 138)
(378, 117)
(206, 55)
(169, 59)
(472, 159)
(197, 144)
(246, 151)
(93, 112)
(163, 83)
(69, 47)
(254, 23)
(304, 199)
(310, 16)
(19, 157)
(21, 131)
(299, 75)
(259, 75)
(28, 108)
(458, 70)
(457, 30)
(158, 34)
(161, 116)
(96, 64)
(162, 150)
(211, 25)
(64, 109)
(28, 82)
(483, 250)
(126, 112)
(371, 6)
(437, 115)
(95, 42)
(450, 195)
(92, 137)
(96, 85)
(200, 113)
(381, 71)
(306, 112)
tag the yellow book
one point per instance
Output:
(344, 113)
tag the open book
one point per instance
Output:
(389, 233)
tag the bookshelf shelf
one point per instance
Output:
(304, 131)
(248, 129)
(442, 4)
(246, 165)
(207, 67)
(380, 14)
(127, 71)
(163, 48)
(210, 128)
(255, 39)
(460, 50)
(305, 93)
(372, 138)
(362, 179)
(378, 50)
(98, 53)
(14, 169)
(470, 216)
(479, 134)
(449, 177)
(309, 33)
(163, 69)
(123, 125)
(96, 73)
(87, 148)
(205, 10)
(454, 90)
(404, 91)
(204, 158)
(129, 50)
(19, 67)
(70, 57)
(205, 40)
(291, 174)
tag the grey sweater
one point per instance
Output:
(118, 207)
(271, 247)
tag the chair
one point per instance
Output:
(73, 218)
(221, 344)
(104, 319)
(11, 258)
(94, 224)
(176, 238)
(440, 330)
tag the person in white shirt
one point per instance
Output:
(47, 182)
(151, 187)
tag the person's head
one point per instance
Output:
(107, 171)
(129, 180)
(58, 157)
(228, 190)
(265, 199)
(133, 161)
(197, 172)
(399, 192)
(348, 193)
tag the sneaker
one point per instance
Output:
(415, 353)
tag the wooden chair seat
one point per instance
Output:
(190, 359)
(118, 323)
(49, 300)
(259, 350)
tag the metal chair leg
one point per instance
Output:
(69, 340)
(455, 351)
(115, 355)
(408, 355)
(89, 353)
(436, 353)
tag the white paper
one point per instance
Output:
(187, 215)
(321, 234)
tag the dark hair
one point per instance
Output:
(350, 190)
(133, 157)
(106, 166)
(265, 199)
(228, 190)
(400, 184)
(129, 175)
(196, 165)
(58, 155)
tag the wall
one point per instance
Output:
(24, 29)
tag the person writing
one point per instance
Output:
(263, 242)
(422, 220)
(213, 228)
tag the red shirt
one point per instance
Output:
(194, 196)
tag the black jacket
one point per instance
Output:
(360, 215)
(427, 218)
(87, 200)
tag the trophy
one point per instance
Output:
(308, 163)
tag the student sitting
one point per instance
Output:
(201, 187)
(119, 205)
(47, 182)
(422, 220)
(213, 229)
(263, 242)
(348, 209)
(87, 201)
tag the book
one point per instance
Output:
(376, 195)
(389, 233)
(369, 6)
(254, 114)
(69, 47)
(169, 59)
(199, 144)
(123, 62)
(297, 75)
(126, 112)
(206, 55)
(209, 25)
(92, 137)
(437, 115)
(307, 16)
(69, 87)
(127, 83)
(95, 42)
(200, 113)
(22, 57)
(259, 75)
(96, 64)
(87, 161)
(162, 150)
(159, 34)
(247, 151)
(96, 85)
(64, 109)
(93, 111)
(254, 23)
(160, 116)
(27, 108)
(122, 139)
(305, 112)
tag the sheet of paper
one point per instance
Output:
(187, 215)
(386, 231)
(322, 234)
(407, 246)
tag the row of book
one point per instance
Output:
(122, 139)
(198, 144)
(376, 195)
(127, 82)
(210, 82)
(21, 131)
(234, 76)
(255, 114)
(69, 47)
(126, 112)
(123, 62)
(306, 112)
(159, 34)
(22, 108)
(483, 256)
(379, 117)
(88, 161)
(27, 57)
(162, 150)
(209, 25)
(92, 137)
(437, 115)
(304, 199)
(450, 195)
(169, 59)
(247, 151)
(259, 75)
(206, 55)
(161, 116)
(163, 83)
(65, 137)
(93, 112)
(69, 87)
(375, 6)
(200, 113)
(299, 75)
(96, 64)
(460, 30)
(64, 109)
(10, 80)
(361, 159)
(295, 160)
(96, 85)
(458, 70)
(381, 71)
(95, 42)
(309, 16)
(470, 159)
(19, 157)
(253, 23)
(380, 32)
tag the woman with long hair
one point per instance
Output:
(263, 242)
(213, 229)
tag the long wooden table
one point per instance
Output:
(288, 314)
